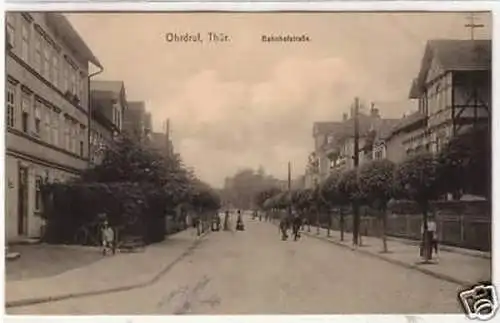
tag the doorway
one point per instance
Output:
(22, 200)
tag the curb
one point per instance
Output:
(154, 279)
(398, 262)
(462, 251)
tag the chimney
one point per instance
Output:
(344, 117)
(375, 113)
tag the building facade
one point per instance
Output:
(135, 120)
(47, 115)
(108, 105)
(453, 88)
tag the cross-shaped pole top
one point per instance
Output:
(472, 25)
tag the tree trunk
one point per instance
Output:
(317, 222)
(329, 228)
(342, 224)
(383, 217)
(355, 223)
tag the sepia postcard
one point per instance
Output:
(227, 163)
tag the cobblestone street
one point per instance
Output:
(254, 272)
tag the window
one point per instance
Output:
(25, 108)
(55, 128)
(48, 135)
(83, 81)
(10, 96)
(65, 76)
(72, 80)
(37, 118)
(37, 58)
(81, 148)
(25, 41)
(46, 62)
(11, 29)
(38, 193)
(55, 69)
(66, 134)
(77, 85)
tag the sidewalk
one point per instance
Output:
(123, 271)
(455, 267)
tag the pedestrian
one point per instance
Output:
(283, 227)
(108, 239)
(431, 233)
(239, 222)
(297, 222)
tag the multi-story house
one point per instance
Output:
(341, 151)
(319, 161)
(454, 91)
(108, 105)
(47, 115)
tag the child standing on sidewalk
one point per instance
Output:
(108, 239)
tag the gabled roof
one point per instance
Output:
(452, 55)
(71, 37)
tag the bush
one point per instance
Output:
(132, 208)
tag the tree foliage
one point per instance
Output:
(330, 190)
(348, 188)
(465, 163)
(416, 178)
(375, 181)
(134, 184)
(264, 195)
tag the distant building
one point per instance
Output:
(47, 112)
(341, 149)
(135, 120)
(319, 162)
(161, 143)
(108, 105)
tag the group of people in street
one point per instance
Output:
(293, 221)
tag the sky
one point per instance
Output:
(246, 103)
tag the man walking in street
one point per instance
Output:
(284, 227)
(297, 222)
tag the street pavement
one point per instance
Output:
(254, 272)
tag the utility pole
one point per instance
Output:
(290, 188)
(472, 24)
(355, 209)
(167, 136)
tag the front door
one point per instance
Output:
(22, 200)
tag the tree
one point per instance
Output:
(465, 163)
(417, 179)
(262, 196)
(329, 191)
(375, 182)
(348, 190)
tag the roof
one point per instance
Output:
(407, 121)
(325, 127)
(364, 126)
(107, 86)
(71, 37)
(453, 55)
(139, 106)
(385, 127)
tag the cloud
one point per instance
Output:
(221, 125)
